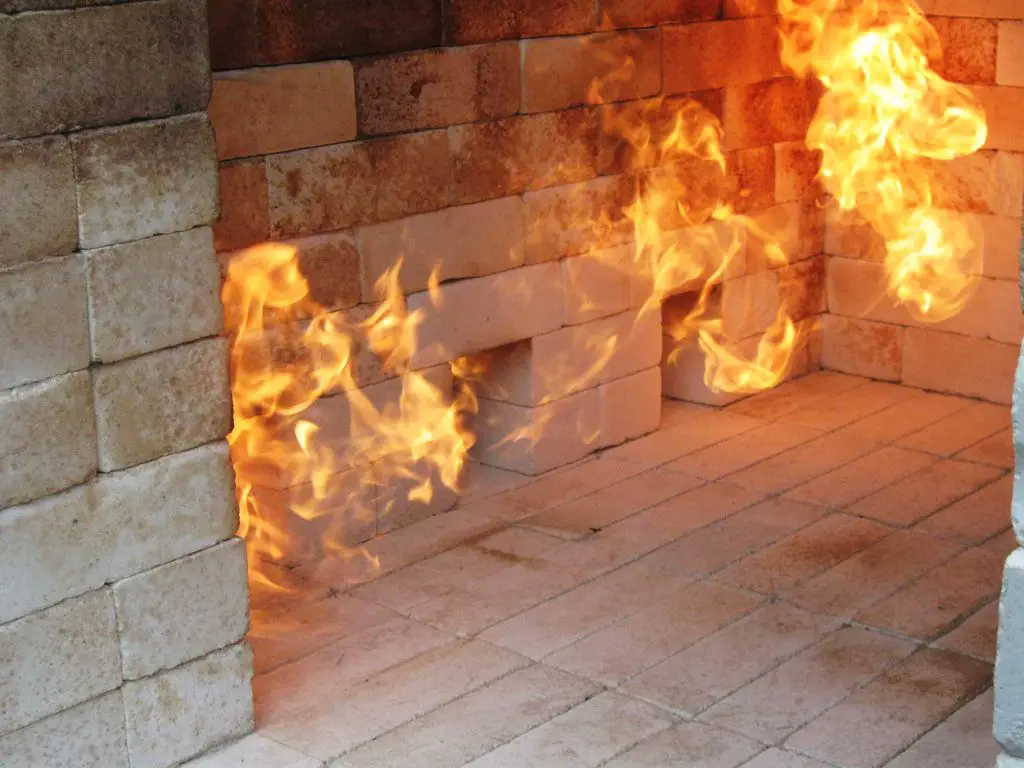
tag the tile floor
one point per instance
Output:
(806, 579)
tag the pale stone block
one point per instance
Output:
(487, 312)
(145, 179)
(1009, 671)
(863, 348)
(254, 751)
(161, 403)
(1010, 55)
(630, 406)
(171, 614)
(179, 714)
(702, 56)
(153, 293)
(989, 182)
(597, 285)
(37, 201)
(683, 374)
(90, 735)
(976, 9)
(946, 362)
(1004, 109)
(44, 321)
(58, 658)
(47, 439)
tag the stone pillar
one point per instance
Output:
(123, 596)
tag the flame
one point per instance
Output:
(885, 122)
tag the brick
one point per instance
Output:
(144, 179)
(58, 658)
(968, 49)
(732, 9)
(1003, 108)
(796, 168)
(158, 66)
(701, 56)
(751, 183)
(975, 637)
(906, 417)
(689, 743)
(256, 751)
(985, 9)
(594, 69)
(167, 716)
(870, 398)
(268, 110)
(517, 154)
(945, 362)
(466, 241)
(432, 89)
(330, 264)
(244, 209)
(161, 403)
(597, 284)
(37, 187)
(976, 518)
(985, 182)
(475, 21)
(768, 112)
(48, 438)
(630, 406)
(39, 342)
(1010, 63)
(90, 735)
(848, 235)
(959, 430)
(846, 485)
(963, 738)
(796, 229)
(863, 348)
(647, 13)
(487, 312)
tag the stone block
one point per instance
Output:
(702, 56)
(276, 109)
(436, 88)
(769, 112)
(472, 21)
(863, 348)
(1009, 671)
(244, 208)
(630, 406)
(959, 365)
(984, 9)
(121, 524)
(58, 658)
(736, 9)
(683, 373)
(796, 168)
(1010, 59)
(145, 179)
(102, 66)
(90, 735)
(47, 439)
(37, 201)
(647, 13)
(597, 285)
(750, 185)
(798, 229)
(181, 713)
(40, 342)
(985, 182)
(330, 264)
(1004, 113)
(968, 49)
(170, 615)
(161, 403)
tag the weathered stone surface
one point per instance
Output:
(117, 526)
(1009, 683)
(47, 438)
(244, 210)
(152, 294)
(178, 714)
(145, 179)
(100, 66)
(630, 406)
(90, 735)
(161, 403)
(57, 658)
(38, 341)
(37, 201)
(330, 264)
(473, 21)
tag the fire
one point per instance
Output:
(886, 121)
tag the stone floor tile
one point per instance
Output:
(780, 758)
(1003, 544)
(960, 430)
(881, 719)
(924, 493)
(583, 737)
(861, 477)
(874, 573)
(620, 651)
(912, 415)
(976, 518)
(717, 545)
(744, 450)
(589, 514)
(996, 451)
(800, 689)
(963, 741)
(481, 481)
(254, 751)
(780, 402)
(711, 669)
(829, 413)
(941, 598)
(778, 568)
(676, 413)
(480, 721)
(689, 745)
(975, 637)
(332, 726)
(588, 608)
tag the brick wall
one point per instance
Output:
(116, 497)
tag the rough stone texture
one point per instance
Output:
(644, 13)
(474, 21)
(102, 66)
(701, 56)
(161, 403)
(769, 112)
(40, 342)
(947, 362)
(1009, 685)
(117, 526)
(145, 179)
(153, 294)
(244, 208)
(90, 735)
(48, 440)
(57, 658)
(330, 264)
(863, 348)
(37, 201)
(968, 49)
(179, 595)
(1010, 62)
(178, 714)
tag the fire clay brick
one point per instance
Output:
(960, 365)
(330, 264)
(168, 716)
(751, 179)
(145, 179)
(268, 110)
(968, 49)
(796, 168)
(244, 214)
(597, 285)
(431, 89)
(985, 9)
(630, 406)
(474, 21)
(161, 403)
(646, 13)
(985, 182)
(1004, 113)
(701, 56)
(1010, 62)
(769, 112)
(58, 658)
(732, 9)
(48, 438)
(563, 72)
(37, 201)
(102, 66)
(863, 348)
